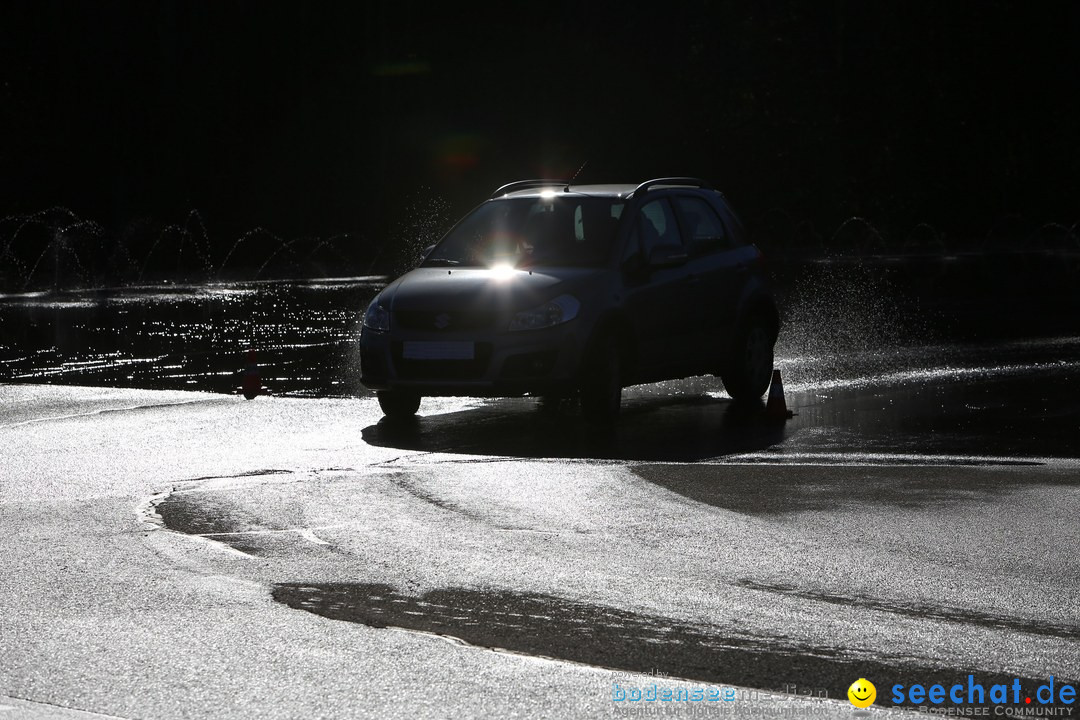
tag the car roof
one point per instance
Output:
(614, 190)
(544, 188)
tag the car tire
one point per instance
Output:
(601, 383)
(398, 403)
(750, 366)
(552, 403)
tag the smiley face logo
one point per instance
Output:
(862, 693)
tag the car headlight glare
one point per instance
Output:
(377, 317)
(554, 312)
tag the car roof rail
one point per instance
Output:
(525, 184)
(669, 181)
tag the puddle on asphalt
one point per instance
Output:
(598, 635)
(215, 515)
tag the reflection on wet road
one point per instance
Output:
(189, 337)
(913, 521)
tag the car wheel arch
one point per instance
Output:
(757, 305)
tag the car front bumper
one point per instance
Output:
(505, 364)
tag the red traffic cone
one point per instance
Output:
(776, 408)
(251, 384)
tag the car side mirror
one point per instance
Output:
(667, 256)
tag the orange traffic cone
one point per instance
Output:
(776, 408)
(251, 384)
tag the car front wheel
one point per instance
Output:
(398, 403)
(750, 367)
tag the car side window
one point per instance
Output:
(655, 226)
(704, 228)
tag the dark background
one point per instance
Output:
(317, 120)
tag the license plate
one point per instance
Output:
(439, 350)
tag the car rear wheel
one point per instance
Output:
(601, 383)
(750, 368)
(398, 403)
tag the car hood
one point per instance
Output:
(433, 289)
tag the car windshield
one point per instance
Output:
(523, 232)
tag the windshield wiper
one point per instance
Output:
(441, 262)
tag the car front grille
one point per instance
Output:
(529, 365)
(451, 321)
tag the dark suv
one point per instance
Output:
(549, 288)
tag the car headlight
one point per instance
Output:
(377, 317)
(554, 312)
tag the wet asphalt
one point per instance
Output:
(196, 555)
(190, 554)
